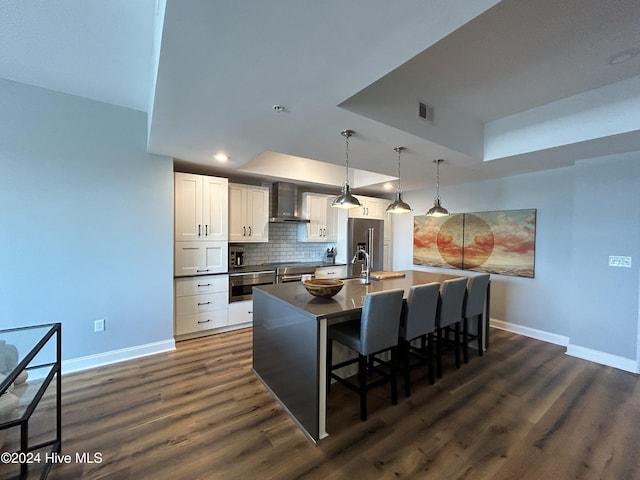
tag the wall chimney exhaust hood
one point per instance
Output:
(283, 204)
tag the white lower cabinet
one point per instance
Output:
(201, 304)
(335, 271)
(200, 258)
(241, 312)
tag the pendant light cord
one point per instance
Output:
(437, 162)
(398, 149)
(346, 134)
(346, 177)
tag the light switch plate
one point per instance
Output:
(616, 261)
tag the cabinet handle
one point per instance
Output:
(249, 230)
(244, 231)
(206, 230)
(204, 285)
(204, 303)
(205, 270)
(198, 229)
(324, 232)
(204, 321)
(249, 311)
(319, 231)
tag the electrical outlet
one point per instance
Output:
(98, 325)
(616, 261)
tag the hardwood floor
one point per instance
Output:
(523, 411)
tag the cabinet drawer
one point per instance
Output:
(202, 285)
(201, 303)
(200, 321)
(338, 271)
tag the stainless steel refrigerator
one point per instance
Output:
(358, 236)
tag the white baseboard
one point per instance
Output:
(577, 351)
(114, 356)
(531, 332)
(603, 358)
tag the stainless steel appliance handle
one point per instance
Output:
(291, 278)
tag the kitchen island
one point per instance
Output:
(290, 340)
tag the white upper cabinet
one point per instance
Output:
(215, 208)
(248, 213)
(201, 208)
(373, 208)
(322, 226)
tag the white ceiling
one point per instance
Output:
(210, 83)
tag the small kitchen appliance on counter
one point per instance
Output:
(236, 257)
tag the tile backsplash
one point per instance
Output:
(283, 246)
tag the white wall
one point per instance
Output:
(566, 302)
(87, 223)
(606, 222)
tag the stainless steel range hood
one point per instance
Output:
(283, 204)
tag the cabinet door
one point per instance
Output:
(188, 207)
(257, 214)
(314, 208)
(200, 258)
(241, 312)
(373, 208)
(215, 209)
(237, 213)
(359, 212)
(331, 225)
(376, 208)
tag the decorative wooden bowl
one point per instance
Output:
(323, 287)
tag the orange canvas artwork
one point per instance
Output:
(500, 242)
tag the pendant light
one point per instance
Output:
(398, 206)
(346, 199)
(437, 210)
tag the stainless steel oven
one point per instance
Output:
(241, 284)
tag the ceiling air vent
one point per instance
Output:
(425, 111)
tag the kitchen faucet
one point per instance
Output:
(366, 267)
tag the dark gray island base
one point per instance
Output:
(290, 340)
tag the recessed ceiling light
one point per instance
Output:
(624, 56)
(278, 108)
(221, 157)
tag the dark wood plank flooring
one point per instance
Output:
(523, 411)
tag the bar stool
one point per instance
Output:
(449, 315)
(474, 307)
(418, 321)
(376, 332)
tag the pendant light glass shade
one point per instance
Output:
(346, 199)
(398, 206)
(437, 210)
